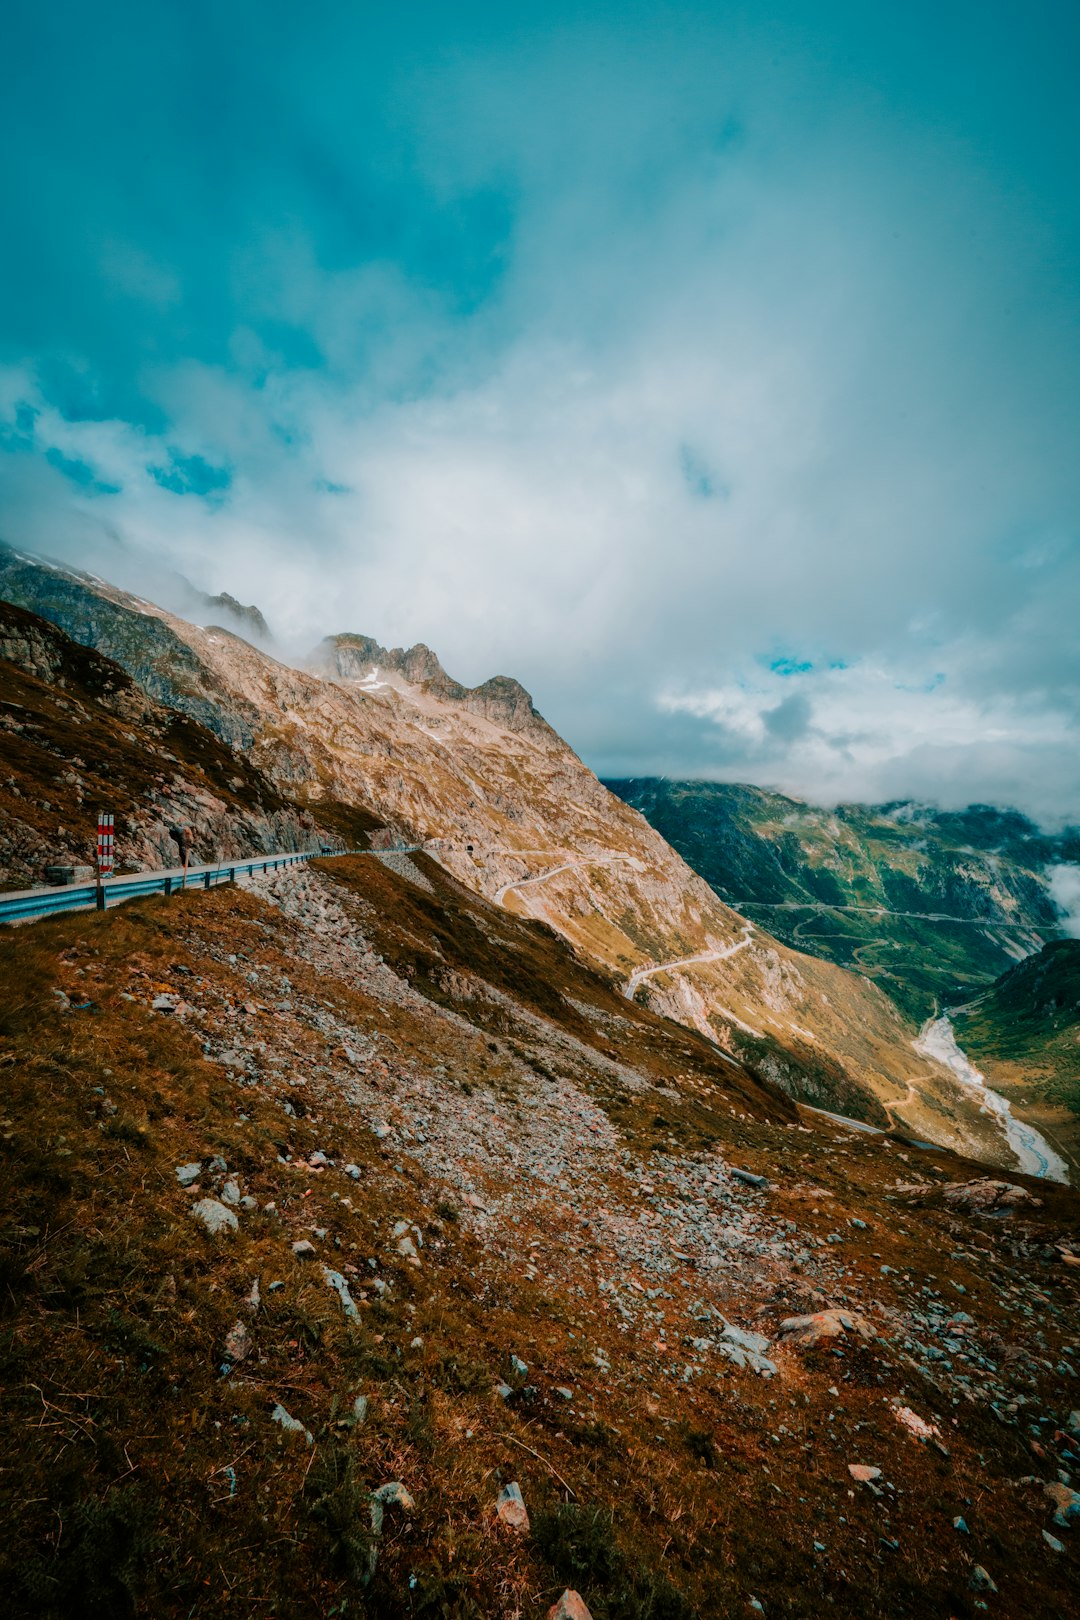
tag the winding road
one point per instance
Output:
(639, 975)
(877, 911)
(567, 866)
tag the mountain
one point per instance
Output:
(1024, 1034)
(365, 1249)
(520, 820)
(932, 905)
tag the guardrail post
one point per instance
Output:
(99, 897)
(206, 880)
(232, 874)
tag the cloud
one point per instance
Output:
(1065, 891)
(711, 380)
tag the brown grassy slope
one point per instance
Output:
(79, 735)
(142, 1478)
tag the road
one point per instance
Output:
(877, 911)
(639, 975)
(567, 866)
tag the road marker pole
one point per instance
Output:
(105, 848)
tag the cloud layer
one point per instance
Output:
(714, 375)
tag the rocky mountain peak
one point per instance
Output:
(501, 699)
(238, 615)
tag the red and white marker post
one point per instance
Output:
(106, 840)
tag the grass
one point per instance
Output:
(140, 1478)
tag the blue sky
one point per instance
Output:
(711, 368)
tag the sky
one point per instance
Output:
(713, 369)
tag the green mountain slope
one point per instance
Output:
(932, 904)
(1026, 1027)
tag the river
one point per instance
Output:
(1033, 1152)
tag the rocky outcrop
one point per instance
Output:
(141, 642)
(501, 699)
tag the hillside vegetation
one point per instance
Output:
(483, 1225)
(1026, 1027)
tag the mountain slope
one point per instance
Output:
(931, 904)
(80, 735)
(484, 1223)
(518, 816)
(1024, 1033)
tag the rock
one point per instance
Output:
(187, 1173)
(961, 1525)
(214, 1216)
(745, 1349)
(510, 1506)
(1052, 1542)
(750, 1179)
(353, 1170)
(980, 1580)
(230, 1193)
(393, 1494)
(567, 1394)
(247, 1202)
(803, 1331)
(290, 1424)
(1072, 1425)
(237, 1342)
(503, 1391)
(337, 1282)
(571, 1606)
(914, 1424)
(979, 1197)
(253, 1300)
(863, 1473)
(360, 1409)
(304, 1249)
(1066, 1503)
(518, 1367)
(165, 1004)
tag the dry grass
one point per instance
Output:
(141, 1479)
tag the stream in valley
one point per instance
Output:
(1034, 1154)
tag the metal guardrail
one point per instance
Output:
(25, 904)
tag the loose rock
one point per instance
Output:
(571, 1606)
(214, 1216)
(290, 1424)
(803, 1331)
(510, 1506)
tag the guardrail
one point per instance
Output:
(25, 904)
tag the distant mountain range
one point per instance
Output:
(932, 905)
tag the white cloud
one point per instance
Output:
(1065, 890)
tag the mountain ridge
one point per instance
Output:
(518, 814)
